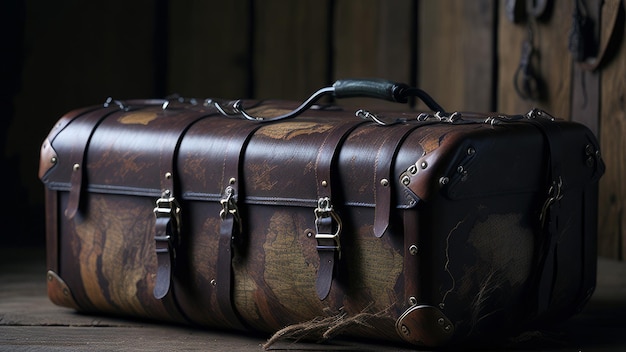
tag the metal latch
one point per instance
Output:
(229, 206)
(325, 220)
(167, 206)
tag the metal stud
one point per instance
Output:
(413, 249)
(471, 151)
(76, 167)
(324, 183)
(444, 181)
(232, 181)
(412, 300)
(384, 182)
(168, 175)
(412, 169)
(53, 160)
(406, 180)
(424, 165)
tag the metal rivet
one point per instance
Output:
(412, 169)
(460, 169)
(471, 151)
(424, 165)
(214, 282)
(309, 234)
(324, 183)
(166, 192)
(406, 180)
(384, 182)
(441, 321)
(76, 167)
(447, 328)
(53, 160)
(168, 175)
(444, 181)
(413, 249)
(442, 305)
(405, 330)
(589, 149)
(232, 181)
(412, 300)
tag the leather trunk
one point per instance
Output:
(429, 228)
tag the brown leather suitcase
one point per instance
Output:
(430, 228)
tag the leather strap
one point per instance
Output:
(613, 17)
(327, 235)
(550, 212)
(167, 222)
(382, 176)
(230, 227)
(87, 125)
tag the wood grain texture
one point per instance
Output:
(612, 200)
(290, 48)
(208, 46)
(551, 62)
(456, 52)
(372, 38)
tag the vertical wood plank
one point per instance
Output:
(209, 48)
(612, 198)
(456, 53)
(373, 39)
(291, 57)
(552, 61)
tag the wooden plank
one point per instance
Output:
(209, 48)
(291, 48)
(28, 322)
(373, 39)
(612, 199)
(456, 53)
(552, 61)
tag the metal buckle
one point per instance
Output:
(554, 195)
(167, 206)
(327, 241)
(229, 206)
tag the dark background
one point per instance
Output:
(65, 54)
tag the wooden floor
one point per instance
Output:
(29, 322)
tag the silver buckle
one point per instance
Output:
(327, 241)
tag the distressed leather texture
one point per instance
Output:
(437, 230)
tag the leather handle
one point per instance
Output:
(373, 88)
(347, 88)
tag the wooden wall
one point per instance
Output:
(464, 53)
